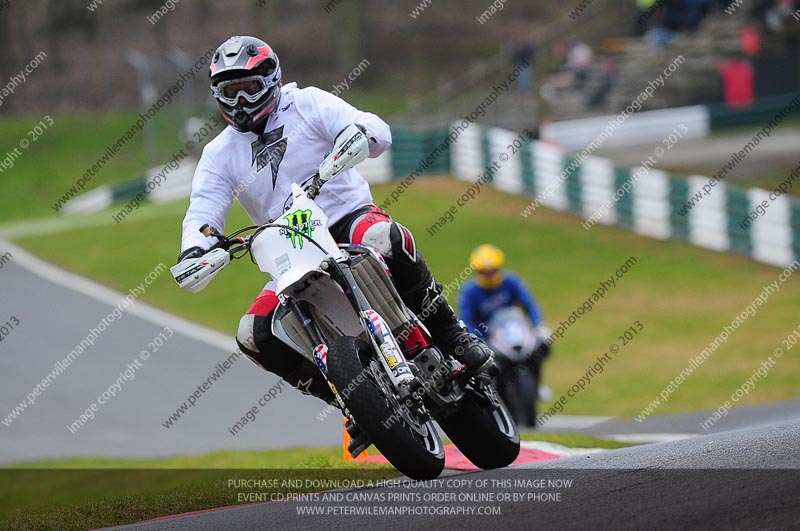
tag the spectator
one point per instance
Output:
(599, 97)
(696, 10)
(675, 11)
(669, 18)
(644, 12)
(774, 14)
(521, 55)
(579, 62)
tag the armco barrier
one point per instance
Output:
(637, 128)
(650, 208)
(652, 126)
(761, 111)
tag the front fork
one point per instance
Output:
(383, 341)
(320, 352)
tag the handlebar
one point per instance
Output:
(234, 243)
(227, 243)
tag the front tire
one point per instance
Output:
(528, 393)
(418, 456)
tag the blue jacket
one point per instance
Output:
(477, 305)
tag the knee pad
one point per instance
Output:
(392, 240)
(245, 336)
(255, 333)
(378, 235)
(256, 341)
(396, 244)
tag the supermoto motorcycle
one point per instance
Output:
(339, 309)
(520, 354)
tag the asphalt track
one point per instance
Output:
(690, 424)
(56, 313)
(742, 479)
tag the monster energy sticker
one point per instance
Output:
(304, 226)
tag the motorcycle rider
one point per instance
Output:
(495, 288)
(278, 134)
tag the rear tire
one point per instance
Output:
(487, 438)
(415, 456)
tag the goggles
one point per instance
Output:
(250, 88)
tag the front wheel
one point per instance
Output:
(528, 393)
(485, 434)
(411, 444)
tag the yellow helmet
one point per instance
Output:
(488, 261)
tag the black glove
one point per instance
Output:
(191, 252)
(364, 130)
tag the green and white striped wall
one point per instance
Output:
(545, 172)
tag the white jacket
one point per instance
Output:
(297, 137)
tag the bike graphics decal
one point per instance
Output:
(388, 353)
(301, 221)
(321, 357)
(394, 359)
(283, 263)
(374, 322)
(269, 148)
(189, 272)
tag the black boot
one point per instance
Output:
(423, 296)
(451, 335)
